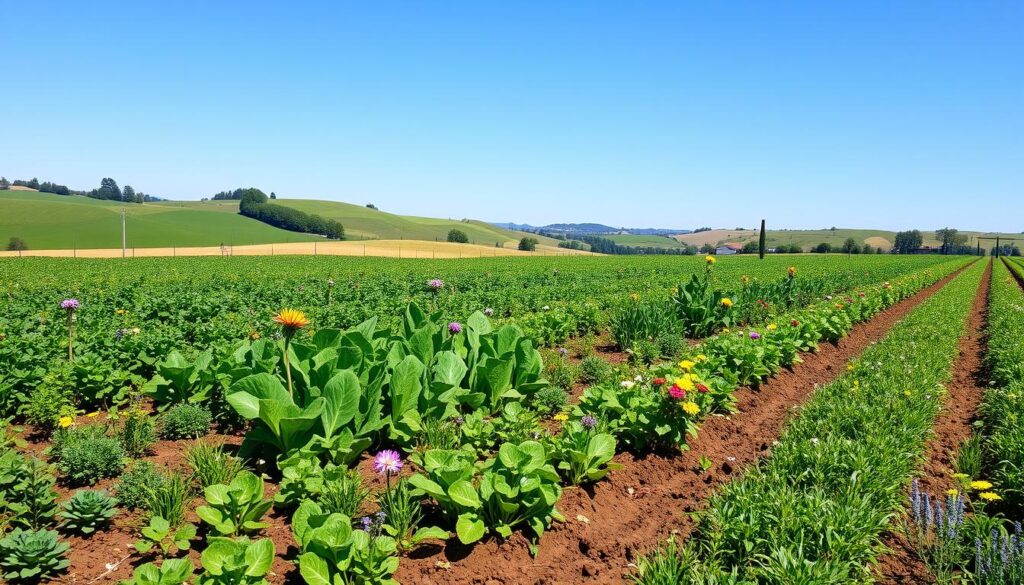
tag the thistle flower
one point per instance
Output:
(754, 335)
(588, 422)
(488, 311)
(435, 284)
(455, 328)
(387, 461)
(70, 304)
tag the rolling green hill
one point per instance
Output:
(48, 221)
(644, 241)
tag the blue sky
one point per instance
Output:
(667, 114)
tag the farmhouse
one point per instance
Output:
(726, 249)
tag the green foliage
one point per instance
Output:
(634, 322)
(236, 562)
(583, 455)
(170, 499)
(458, 236)
(332, 552)
(594, 370)
(87, 511)
(235, 508)
(134, 488)
(550, 400)
(211, 464)
(86, 455)
(27, 492)
(51, 400)
(170, 572)
(528, 244)
(343, 492)
(700, 306)
(30, 556)
(185, 421)
(403, 512)
(137, 432)
(162, 534)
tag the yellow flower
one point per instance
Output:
(745, 279)
(691, 408)
(710, 260)
(65, 422)
(772, 327)
(700, 358)
(93, 414)
(121, 312)
(990, 496)
(686, 365)
(561, 417)
(725, 330)
(907, 393)
(634, 296)
(726, 302)
(685, 382)
(981, 485)
(849, 367)
(953, 493)
(792, 270)
(291, 319)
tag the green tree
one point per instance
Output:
(4, 184)
(907, 242)
(850, 246)
(750, 247)
(458, 236)
(707, 248)
(528, 244)
(16, 244)
(952, 240)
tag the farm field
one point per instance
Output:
(510, 420)
(810, 238)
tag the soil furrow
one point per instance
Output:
(609, 524)
(953, 425)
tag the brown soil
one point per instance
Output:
(952, 427)
(611, 523)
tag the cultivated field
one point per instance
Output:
(513, 420)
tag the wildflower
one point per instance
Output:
(545, 308)
(953, 492)
(754, 335)
(849, 367)
(291, 320)
(990, 496)
(658, 381)
(387, 461)
(886, 285)
(136, 330)
(634, 297)
(726, 302)
(676, 392)
(627, 384)
(254, 335)
(455, 328)
(772, 327)
(686, 365)
(702, 388)
(120, 312)
(70, 304)
(366, 523)
(93, 414)
(65, 422)
(685, 382)
(710, 260)
(488, 311)
(745, 279)
(981, 485)
(563, 352)
(561, 417)
(700, 358)
(794, 323)
(691, 408)
(725, 330)
(459, 420)
(861, 295)
(435, 283)
(792, 271)
(588, 422)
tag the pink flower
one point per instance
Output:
(387, 461)
(676, 392)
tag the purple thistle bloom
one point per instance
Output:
(387, 461)
(435, 283)
(755, 335)
(588, 422)
(455, 328)
(488, 311)
(69, 304)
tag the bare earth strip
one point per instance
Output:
(380, 248)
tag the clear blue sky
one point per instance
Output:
(667, 114)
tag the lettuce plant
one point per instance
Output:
(332, 552)
(235, 508)
(583, 455)
(236, 562)
(158, 534)
(170, 572)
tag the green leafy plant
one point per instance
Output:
(170, 572)
(342, 492)
(212, 465)
(594, 369)
(700, 306)
(30, 556)
(27, 492)
(235, 508)
(185, 421)
(170, 499)
(550, 400)
(51, 400)
(134, 488)
(583, 455)
(635, 322)
(87, 511)
(332, 552)
(160, 533)
(236, 562)
(137, 433)
(403, 513)
(87, 456)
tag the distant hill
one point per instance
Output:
(590, 229)
(809, 238)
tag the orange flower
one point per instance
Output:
(291, 320)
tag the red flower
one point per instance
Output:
(659, 381)
(862, 295)
(794, 323)
(676, 392)
(702, 388)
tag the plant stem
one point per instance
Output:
(71, 337)
(287, 368)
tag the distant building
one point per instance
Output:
(727, 249)
(927, 250)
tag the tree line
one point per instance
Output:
(255, 204)
(108, 190)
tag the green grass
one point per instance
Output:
(644, 241)
(47, 221)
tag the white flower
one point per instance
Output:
(545, 308)
(639, 378)
(815, 440)
(627, 384)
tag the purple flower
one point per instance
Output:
(488, 311)
(563, 352)
(459, 420)
(387, 461)
(366, 522)
(455, 328)
(435, 283)
(588, 421)
(69, 304)
(755, 335)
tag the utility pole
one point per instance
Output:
(124, 236)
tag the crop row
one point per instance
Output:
(813, 510)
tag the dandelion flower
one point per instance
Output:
(726, 302)
(291, 319)
(710, 260)
(772, 327)
(990, 496)
(691, 408)
(387, 461)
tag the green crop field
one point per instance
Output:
(645, 241)
(48, 221)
